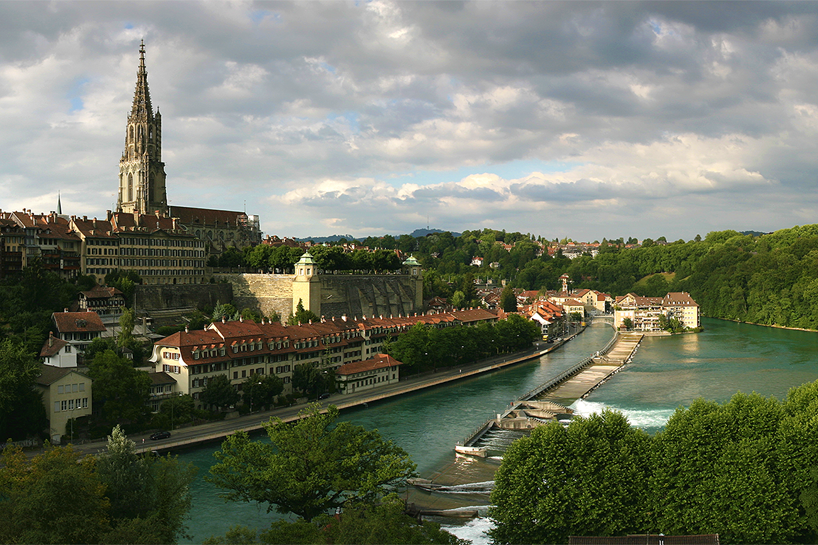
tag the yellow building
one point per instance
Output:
(66, 396)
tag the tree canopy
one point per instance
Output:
(310, 466)
(744, 469)
(21, 407)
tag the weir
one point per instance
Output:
(548, 402)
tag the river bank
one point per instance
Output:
(215, 432)
(425, 423)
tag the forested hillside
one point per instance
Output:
(769, 279)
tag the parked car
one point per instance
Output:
(325, 395)
(160, 435)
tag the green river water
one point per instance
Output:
(667, 372)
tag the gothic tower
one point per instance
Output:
(141, 170)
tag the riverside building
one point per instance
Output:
(239, 349)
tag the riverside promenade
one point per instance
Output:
(212, 432)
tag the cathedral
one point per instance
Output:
(141, 170)
(142, 180)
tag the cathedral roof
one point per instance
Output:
(207, 217)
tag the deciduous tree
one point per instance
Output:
(587, 479)
(311, 465)
(219, 392)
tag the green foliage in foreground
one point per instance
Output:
(21, 406)
(744, 469)
(310, 466)
(119, 497)
(359, 524)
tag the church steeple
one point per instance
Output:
(142, 96)
(141, 170)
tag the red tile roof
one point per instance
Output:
(78, 322)
(204, 216)
(101, 292)
(52, 346)
(380, 361)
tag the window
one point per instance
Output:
(60, 389)
(56, 406)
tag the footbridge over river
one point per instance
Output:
(548, 402)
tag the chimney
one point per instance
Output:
(50, 339)
(186, 329)
(241, 319)
(65, 310)
(224, 320)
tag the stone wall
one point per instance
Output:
(339, 295)
(267, 293)
(367, 295)
(168, 302)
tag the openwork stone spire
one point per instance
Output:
(141, 170)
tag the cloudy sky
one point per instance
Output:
(577, 119)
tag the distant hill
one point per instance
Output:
(417, 233)
(333, 238)
(753, 233)
(425, 232)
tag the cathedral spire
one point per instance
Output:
(141, 170)
(142, 96)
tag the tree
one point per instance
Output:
(218, 392)
(120, 390)
(385, 522)
(226, 311)
(126, 324)
(311, 465)
(21, 408)
(628, 323)
(302, 316)
(98, 346)
(56, 497)
(309, 379)
(261, 391)
(149, 496)
(508, 301)
(590, 478)
(174, 410)
(728, 468)
(124, 281)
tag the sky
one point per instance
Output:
(560, 119)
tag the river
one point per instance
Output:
(667, 372)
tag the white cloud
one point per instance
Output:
(670, 117)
